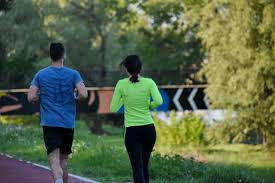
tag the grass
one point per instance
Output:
(104, 157)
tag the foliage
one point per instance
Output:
(166, 41)
(19, 120)
(91, 34)
(22, 41)
(168, 167)
(97, 35)
(189, 130)
(233, 131)
(239, 37)
(5, 5)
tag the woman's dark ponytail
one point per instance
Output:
(134, 78)
(133, 66)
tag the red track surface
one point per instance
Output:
(15, 171)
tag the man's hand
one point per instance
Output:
(81, 91)
(33, 94)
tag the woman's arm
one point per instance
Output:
(117, 101)
(157, 99)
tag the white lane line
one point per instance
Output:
(47, 168)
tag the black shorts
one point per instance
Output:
(58, 138)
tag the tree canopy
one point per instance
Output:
(22, 42)
(239, 37)
(98, 35)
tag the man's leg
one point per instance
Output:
(54, 161)
(64, 166)
(65, 150)
(52, 141)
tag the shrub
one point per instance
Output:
(19, 120)
(189, 130)
(233, 131)
(173, 169)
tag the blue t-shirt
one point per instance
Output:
(57, 102)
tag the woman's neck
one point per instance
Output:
(132, 75)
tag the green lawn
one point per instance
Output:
(104, 158)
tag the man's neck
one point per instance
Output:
(57, 64)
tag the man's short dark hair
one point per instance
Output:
(57, 51)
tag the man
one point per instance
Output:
(55, 86)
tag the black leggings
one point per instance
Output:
(139, 142)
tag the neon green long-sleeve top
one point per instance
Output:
(136, 100)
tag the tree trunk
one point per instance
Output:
(97, 127)
(103, 61)
(2, 60)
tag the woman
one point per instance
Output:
(140, 135)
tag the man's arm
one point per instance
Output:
(33, 93)
(81, 91)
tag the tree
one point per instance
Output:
(5, 5)
(23, 42)
(99, 34)
(166, 41)
(240, 40)
(86, 27)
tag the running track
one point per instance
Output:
(15, 171)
